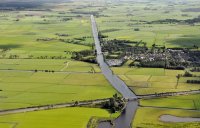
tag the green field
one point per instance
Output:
(23, 89)
(149, 118)
(62, 65)
(20, 37)
(120, 19)
(36, 68)
(186, 102)
(154, 80)
(37, 43)
(148, 115)
(74, 117)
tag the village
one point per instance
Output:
(169, 58)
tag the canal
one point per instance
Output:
(126, 117)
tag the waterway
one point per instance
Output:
(126, 117)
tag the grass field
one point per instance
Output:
(44, 37)
(23, 89)
(149, 118)
(37, 35)
(48, 64)
(120, 19)
(20, 37)
(186, 102)
(154, 80)
(74, 117)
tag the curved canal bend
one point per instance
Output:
(126, 117)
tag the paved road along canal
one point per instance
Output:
(125, 119)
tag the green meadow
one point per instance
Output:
(149, 118)
(75, 117)
(36, 68)
(21, 37)
(154, 80)
(186, 102)
(24, 89)
(61, 65)
(119, 21)
(36, 46)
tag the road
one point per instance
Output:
(125, 119)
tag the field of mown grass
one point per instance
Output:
(122, 18)
(154, 80)
(74, 117)
(21, 36)
(62, 65)
(23, 89)
(186, 102)
(71, 81)
(149, 118)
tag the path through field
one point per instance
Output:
(66, 65)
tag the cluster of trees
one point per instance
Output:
(38, 57)
(114, 104)
(174, 63)
(195, 69)
(3, 53)
(101, 36)
(165, 21)
(85, 55)
(136, 29)
(44, 70)
(66, 19)
(193, 81)
(61, 34)
(194, 57)
(124, 46)
(188, 74)
(51, 57)
(95, 13)
(41, 57)
(153, 64)
(167, 64)
(157, 48)
(173, 21)
(195, 47)
(45, 39)
(175, 67)
(13, 57)
(76, 41)
(4, 49)
(194, 20)
(80, 38)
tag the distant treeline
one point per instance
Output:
(26, 4)
(173, 21)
